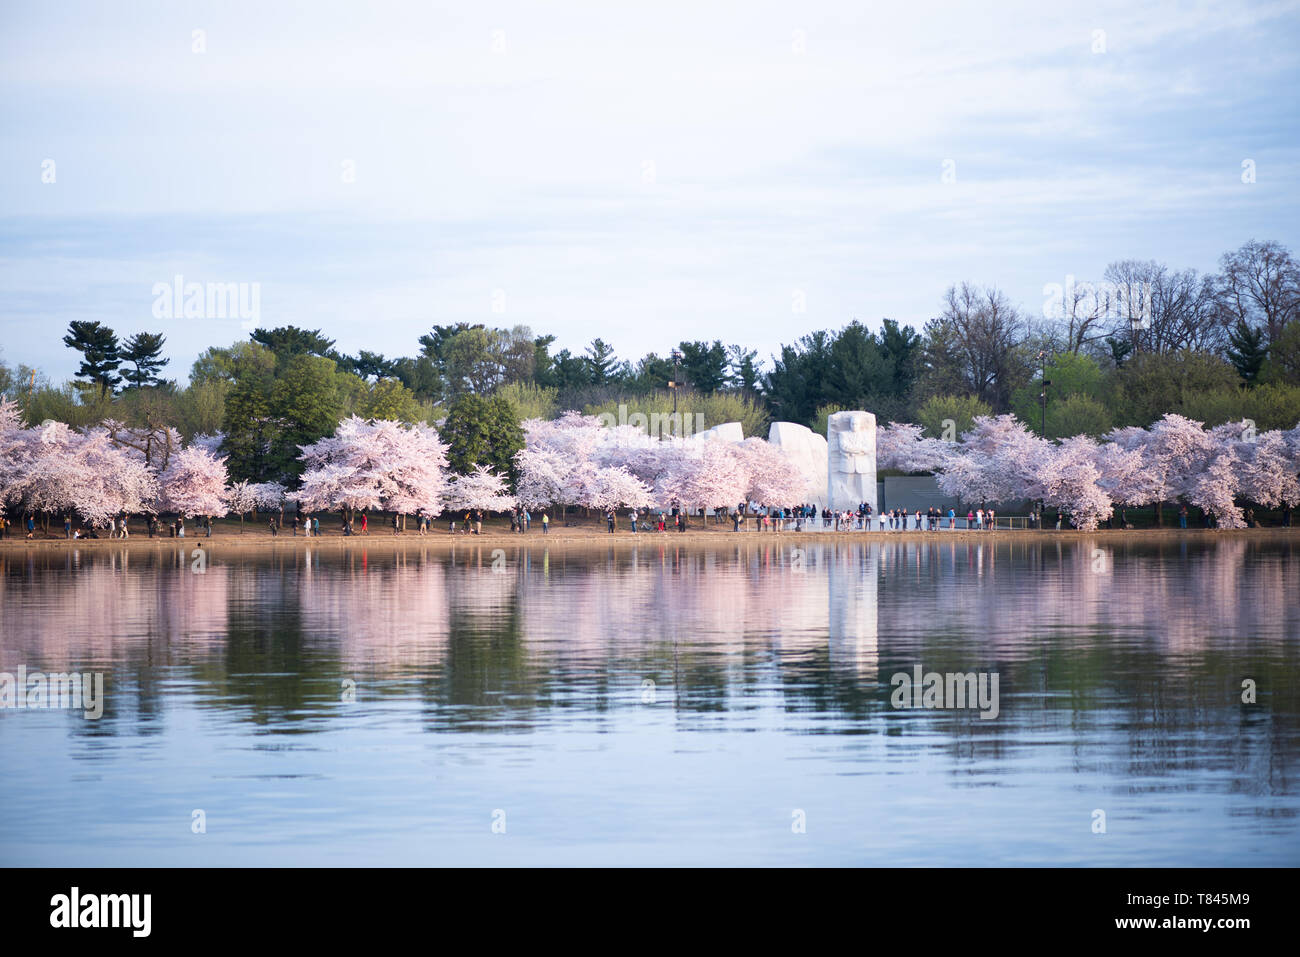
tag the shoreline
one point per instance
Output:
(263, 542)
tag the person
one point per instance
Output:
(992, 517)
(546, 522)
(274, 530)
(297, 520)
(735, 520)
(4, 527)
(528, 520)
(478, 521)
(365, 523)
(1182, 517)
(609, 520)
(394, 523)
(180, 526)
(31, 525)
(207, 524)
(681, 522)
(67, 526)
(1058, 519)
(631, 517)
(315, 527)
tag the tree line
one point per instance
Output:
(1143, 341)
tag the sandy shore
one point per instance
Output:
(229, 539)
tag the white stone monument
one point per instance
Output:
(807, 450)
(851, 450)
(726, 432)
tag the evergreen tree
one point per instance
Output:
(100, 354)
(1247, 351)
(144, 352)
(482, 430)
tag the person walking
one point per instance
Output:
(546, 522)
(631, 516)
(315, 527)
(31, 525)
(609, 520)
(365, 524)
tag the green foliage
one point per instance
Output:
(482, 430)
(100, 355)
(1150, 384)
(144, 353)
(201, 409)
(821, 423)
(389, 399)
(1283, 362)
(218, 364)
(530, 401)
(948, 416)
(704, 366)
(851, 369)
(290, 341)
(1269, 406)
(1077, 414)
(474, 358)
(713, 409)
(1247, 350)
(1072, 376)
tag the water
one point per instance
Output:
(664, 704)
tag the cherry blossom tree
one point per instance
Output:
(1217, 478)
(901, 445)
(380, 464)
(1269, 472)
(1069, 477)
(479, 489)
(195, 483)
(616, 487)
(1173, 450)
(996, 461)
(771, 476)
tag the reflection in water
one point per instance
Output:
(673, 701)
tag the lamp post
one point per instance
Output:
(1042, 396)
(675, 383)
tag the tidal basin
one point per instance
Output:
(659, 703)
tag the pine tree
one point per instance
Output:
(100, 354)
(144, 351)
(1247, 351)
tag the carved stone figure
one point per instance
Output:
(851, 448)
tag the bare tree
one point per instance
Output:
(976, 341)
(1260, 286)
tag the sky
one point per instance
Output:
(640, 173)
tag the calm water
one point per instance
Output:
(664, 705)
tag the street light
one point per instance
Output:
(674, 384)
(1042, 396)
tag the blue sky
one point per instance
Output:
(640, 173)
